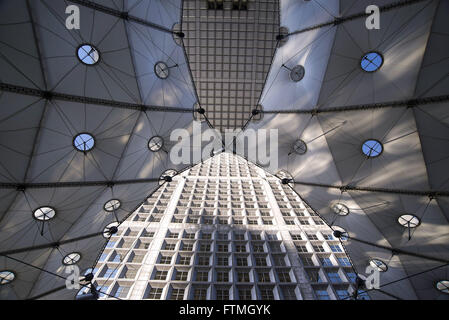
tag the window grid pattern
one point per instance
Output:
(194, 260)
(230, 52)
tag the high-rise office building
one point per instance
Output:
(224, 229)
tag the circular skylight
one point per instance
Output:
(155, 143)
(6, 277)
(161, 70)
(84, 142)
(110, 230)
(372, 148)
(344, 234)
(44, 213)
(88, 54)
(340, 209)
(166, 176)
(371, 61)
(408, 221)
(378, 264)
(300, 147)
(443, 286)
(71, 258)
(112, 205)
(297, 73)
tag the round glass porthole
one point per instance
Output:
(297, 73)
(44, 213)
(372, 148)
(155, 143)
(443, 286)
(408, 221)
(371, 61)
(84, 142)
(88, 54)
(71, 259)
(340, 209)
(112, 205)
(161, 70)
(379, 265)
(300, 147)
(6, 277)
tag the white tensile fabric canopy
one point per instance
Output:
(48, 96)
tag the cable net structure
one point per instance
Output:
(86, 117)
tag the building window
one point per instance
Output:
(200, 294)
(328, 236)
(335, 248)
(334, 277)
(222, 248)
(122, 291)
(326, 262)
(240, 248)
(307, 261)
(184, 260)
(160, 275)
(222, 261)
(242, 261)
(279, 260)
(177, 294)
(170, 246)
(322, 295)
(243, 276)
(284, 276)
(245, 294)
(223, 276)
(165, 260)
(181, 275)
(266, 294)
(288, 293)
(263, 276)
(314, 276)
(222, 293)
(203, 261)
(202, 275)
(261, 261)
(110, 272)
(301, 248)
(342, 294)
(351, 276)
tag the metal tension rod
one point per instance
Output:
(404, 278)
(359, 15)
(425, 193)
(90, 100)
(54, 274)
(41, 295)
(72, 184)
(50, 245)
(393, 250)
(369, 106)
(120, 14)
